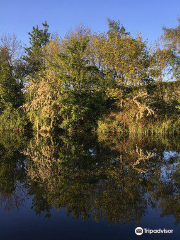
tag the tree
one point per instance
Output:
(68, 93)
(34, 54)
(171, 39)
(81, 81)
(10, 81)
(124, 60)
(11, 85)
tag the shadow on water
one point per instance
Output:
(93, 177)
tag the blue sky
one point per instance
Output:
(146, 16)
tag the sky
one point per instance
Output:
(145, 16)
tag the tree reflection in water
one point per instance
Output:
(103, 176)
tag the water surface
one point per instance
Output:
(88, 186)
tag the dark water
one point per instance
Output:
(88, 187)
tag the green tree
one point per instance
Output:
(11, 85)
(82, 85)
(34, 54)
(69, 92)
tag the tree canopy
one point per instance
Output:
(84, 81)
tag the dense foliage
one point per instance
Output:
(108, 81)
